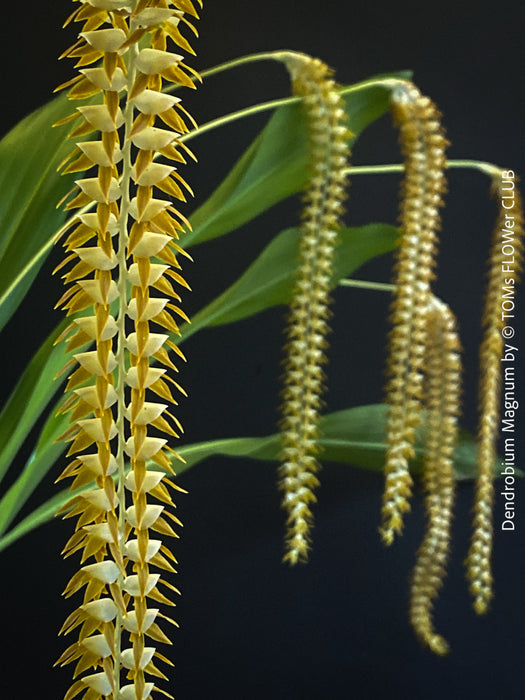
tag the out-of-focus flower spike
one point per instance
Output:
(307, 323)
(502, 275)
(423, 145)
(442, 390)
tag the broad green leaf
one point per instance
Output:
(354, 436)
(269, 280)
(30, 188)
(275, 166)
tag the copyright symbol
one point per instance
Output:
(507, 332)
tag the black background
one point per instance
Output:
(252, 628)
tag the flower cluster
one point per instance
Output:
(442, 388)
(122, 244)
(423, 145)
(309, 309)
(479, 572)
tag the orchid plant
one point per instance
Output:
(119, 141)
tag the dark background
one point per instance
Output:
(252, 628)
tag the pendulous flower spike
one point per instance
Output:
(114, 416)
(509, 223)
(423, 145)
(309, 309)
(442, 388)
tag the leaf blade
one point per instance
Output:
(269, 280)
(28, 194)
(275, 165)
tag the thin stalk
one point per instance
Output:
(240, 114)
(364, 284)
(121, 345)
(482, 166)
(243, 60)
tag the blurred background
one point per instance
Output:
(251, 627)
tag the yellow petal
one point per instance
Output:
(128, 658)
(156, 271)
(93, 463)
(128, 692)
(96, 258)
(131, 623)
(106, 571)
(133, 553)
(154, 173)
(150, 61)
(89, 325)
(103, 609)
(153, 16)
(154, 342)
(97, 645)
(99, 77)
(91, 187)
(153, 102)
(151, 480)
(97, 154)
(94, 290)
(151, 514)
(153, 308)
(105, 39)
(152, 375)
(153, 208)
(98, 682)
(153, 139)
(90, 362)
(99, 116)
(132, 586)
(149, 447)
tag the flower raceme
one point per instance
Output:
(309, 309)
(500, 276)
(442, 388)
(423, 145)
(122, 244)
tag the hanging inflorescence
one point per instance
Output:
(442, 394)
(424, 364)
(423, 145)
(424, 370)
(122, 244)
(309, 309)
(504, 272)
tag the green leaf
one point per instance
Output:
(269, 280)
(19, 415)
(44, 456)
(354, 436)
(275, 166)
(30, 188)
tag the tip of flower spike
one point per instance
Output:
(438, 645)
(481, 606)
(293, 558)
(392, 527)
(387, 536)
